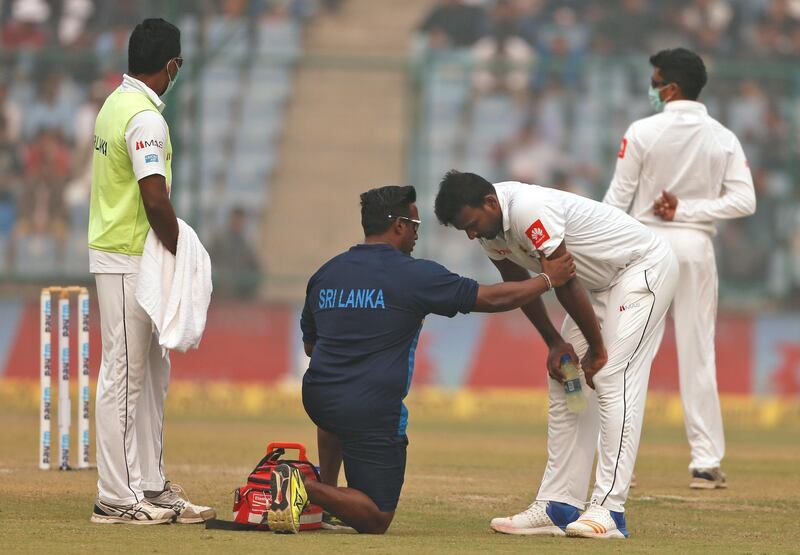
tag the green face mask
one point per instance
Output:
(172, 80)
(655, 99)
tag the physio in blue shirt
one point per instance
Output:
(361, 321)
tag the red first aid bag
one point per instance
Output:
(251, 502)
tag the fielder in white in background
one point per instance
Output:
(615, 328)
(131, 177)
(678, 172)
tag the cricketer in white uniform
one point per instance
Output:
(678, 172)
(631, 275)
(130, 194)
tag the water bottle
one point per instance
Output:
(576, 402)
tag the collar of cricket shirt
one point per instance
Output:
(685, 105)
(503, 191)
(129, 82)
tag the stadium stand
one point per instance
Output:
(261, 95)
(587, 80)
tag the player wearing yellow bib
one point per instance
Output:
(130, 194)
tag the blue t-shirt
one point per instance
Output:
(363, 313)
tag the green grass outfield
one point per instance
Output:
(461, 472)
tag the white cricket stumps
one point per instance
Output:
(45, 367)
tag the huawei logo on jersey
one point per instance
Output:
(537, 234)
(622, 148)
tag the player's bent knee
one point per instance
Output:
(379, 525)
(607, 380)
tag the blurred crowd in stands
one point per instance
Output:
(575, 69)
(565, 29)
(59, 59)
(574, 73)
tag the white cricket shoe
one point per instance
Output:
(541, 518)
(598, 522)
(173, 497)
(140, 513)
(708, 478)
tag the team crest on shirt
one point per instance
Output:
(537, 234)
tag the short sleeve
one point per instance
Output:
(437, 290)
(307, 324)
(537, 223)
(146, 137)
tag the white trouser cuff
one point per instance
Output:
(702, 465)
(569, 500)
(126, 501)
(153, 486)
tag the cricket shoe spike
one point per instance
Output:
(289, 498)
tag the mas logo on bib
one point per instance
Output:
(537, 234)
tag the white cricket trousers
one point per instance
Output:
(131, 390)
(631, 315)
(694, 311)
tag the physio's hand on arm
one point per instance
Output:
(560, 269)
(513, 294)
(159, 210)
(664, 207)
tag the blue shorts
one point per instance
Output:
(376, 465)
(374, 462)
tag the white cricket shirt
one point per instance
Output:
(603, 240)
(148, 131)
(688, 153)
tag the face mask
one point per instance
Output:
(655, 99)
(172, 80)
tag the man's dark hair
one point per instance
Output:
(378, 204)
(458, 190)
(153, 43)
(683, 67)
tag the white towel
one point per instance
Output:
(175, 291)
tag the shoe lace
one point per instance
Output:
(177, 495)
(595, 511)
(177, 490)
